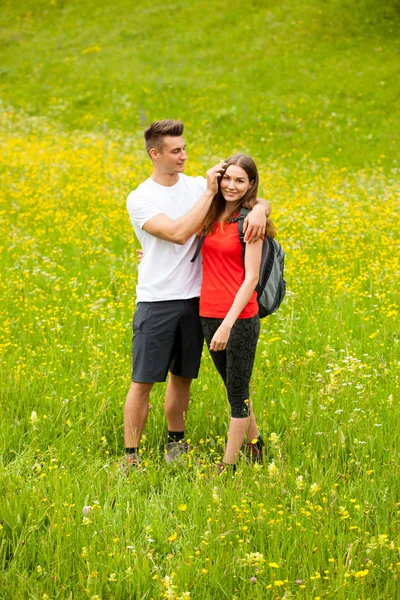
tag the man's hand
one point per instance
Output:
(255, 223)
(220, 338)
(213, 177)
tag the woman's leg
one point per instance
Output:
(240, 354)
(252, 431)
(236, 434)
(235, 365)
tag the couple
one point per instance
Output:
(167, 211)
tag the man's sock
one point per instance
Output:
(175, 436)
(132, 451)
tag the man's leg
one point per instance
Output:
(184, 367)
(135, 413)
(177, 401)
(154, 326)
(176, 406)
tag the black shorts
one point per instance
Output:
(167, 336)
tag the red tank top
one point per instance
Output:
(223, 273)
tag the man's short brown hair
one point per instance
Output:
(154, 134)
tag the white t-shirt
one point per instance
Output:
(165, 272)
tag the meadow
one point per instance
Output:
(310, 89)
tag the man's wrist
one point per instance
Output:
(208, 195)
(265, 205)
(261, 206)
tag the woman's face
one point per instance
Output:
(234, 183)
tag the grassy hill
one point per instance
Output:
(311, 78)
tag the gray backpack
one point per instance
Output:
(271, 287)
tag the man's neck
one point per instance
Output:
(165, 179)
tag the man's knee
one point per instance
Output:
(180, 382)
(139, 390)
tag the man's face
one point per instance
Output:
(171, 159)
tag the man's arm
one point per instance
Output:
(182, 229)
(255, 223)
(265, 205)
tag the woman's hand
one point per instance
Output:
(213, 177)
(220, 338)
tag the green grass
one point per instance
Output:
(289, 78)
(321, 518)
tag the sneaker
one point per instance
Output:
(175, 451)
(255, 451)
(131, 462)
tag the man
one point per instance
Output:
(166, 212)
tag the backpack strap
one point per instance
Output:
(239, 220)
(198, 248)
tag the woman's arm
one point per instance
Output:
(252, 261)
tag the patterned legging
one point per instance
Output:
(235, 363)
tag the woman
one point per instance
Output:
(228, 301)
